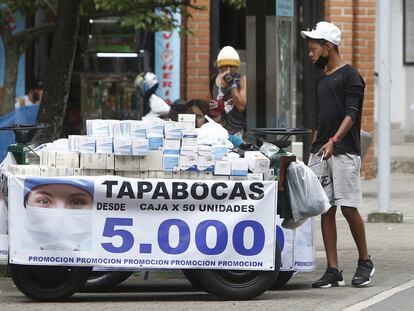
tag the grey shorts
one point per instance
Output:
(340, 178)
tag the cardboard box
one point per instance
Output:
(176, 174)
(73, 142)
(98, 128)
(238, 177)
(104, 144)
(110, 161)
(77, 171)
(67, 159)
(185, 175)
(195, 175)
(206, 175)
(127, 163)
(152, 174)
(144, 174)
(49, 171)
(48, 158)
(221, 177)
(140, 146)
(188, 158)
(93, 161)
(155, 127)
(132, 174)
(17, 169)
(239, 167)
(122, 146)
(258, 162)
(270, 175)
(155, 142)
(154, 160)
(222, 167)
(164, 175)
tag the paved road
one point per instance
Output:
(391, 247)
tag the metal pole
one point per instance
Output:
(384, 102)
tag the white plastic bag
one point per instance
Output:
(307, 197)
(212, 133)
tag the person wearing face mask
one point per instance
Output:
(230, 87)
(336, 149)
(33, 96)
(59, 212)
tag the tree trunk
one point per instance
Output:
(10, 78)
(59, 70)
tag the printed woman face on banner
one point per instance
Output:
(59, 213)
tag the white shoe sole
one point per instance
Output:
(340, 284)
(367, 282)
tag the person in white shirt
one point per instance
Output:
(33, 96)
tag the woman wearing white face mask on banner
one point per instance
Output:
(59, 213)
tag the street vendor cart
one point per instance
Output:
(223, 232)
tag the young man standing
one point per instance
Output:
(336, 150)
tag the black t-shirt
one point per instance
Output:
(339, 94)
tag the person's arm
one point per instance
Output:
(343, 129)
(239, 95)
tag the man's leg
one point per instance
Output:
(356, 224)
(328, 225)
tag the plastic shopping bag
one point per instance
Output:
(307, 197)
(212, 133)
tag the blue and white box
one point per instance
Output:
(172, 146)
(104, 144)
(155, 142)
(206, 158)
(87, 144)
(220, 151)
(170, 162)
(98, 127)
(138, 129)
(122, 129)
(140, 146)
(173, 130)
(222, 167)
(189, 138)
(122, 146)
(239, 167)
(188, 158)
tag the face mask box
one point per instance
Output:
(170, 162)
(188, 121)
(222, 167)
(270, 175)
(188, 158)
(155, 142)
(221, 177)
(189, 138)
(127, 163)
(185, 175)
(132, 174)
(155, 127)
(67, 159)
(97, 172)
(122, 129)
(140, 146)
(49, 171)
(206, 175)
(220, 151)
(73, 142)
(173, 130)
(172, 146)
(239, 167)
(195, 175)
(255, 177)
(176, 174)
(87, 144)
(206, 158)
(138, 129)
(104, 144)
(98, 128)
(258, 162)
(122, 146)
(47, 158)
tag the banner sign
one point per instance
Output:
(167, 62)
(119, 222)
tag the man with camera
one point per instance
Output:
(230, 87)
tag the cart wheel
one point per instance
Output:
(282, 279)
(192, 277)
(237, 284)
(48, 283)
(103, 280)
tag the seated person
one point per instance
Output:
(177, 109)
(217, 112)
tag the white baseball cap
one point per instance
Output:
(324, 30)
(228, 56)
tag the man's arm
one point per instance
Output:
(343, 129)
(239, 95)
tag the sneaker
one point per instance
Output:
(363, 273)
(332, 277)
